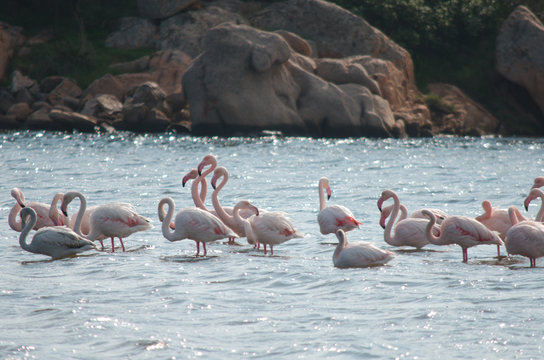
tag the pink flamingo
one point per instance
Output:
(54, 241)
(533, 194)
(386, 211)
(408, 231)
(461, 230)
(108, 220)
(525, 238)
(46, 215)
(333, 217)
(360, 254)
(496, 219)
(538, 183)
(270, 228)
(198, 199)
(225, 213)
(194, 224)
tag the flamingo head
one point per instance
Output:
(539, 182)
(385, 212)
(191, 175)
(244, 204)
(18, 196)
(341, 236)
(208, 160)
(66, 199)
(324, 183)
(380, 203)
(217, 174)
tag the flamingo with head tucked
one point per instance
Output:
(360, 254)
(46, 215)
(269, 228)
(55, 241)
(461, 230)
(109, 220)
(525, 238)
(408, 231)
(333, 217)
(194, 224)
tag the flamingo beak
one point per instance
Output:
(380, 203)
(200, 167)
(329, 193)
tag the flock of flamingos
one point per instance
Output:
(60, 236)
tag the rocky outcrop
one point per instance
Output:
(10, 38)
(161, 9)
(520, 52)
(460, 115)
(248, 80)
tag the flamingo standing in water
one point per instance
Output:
(194, 224)
(54, 241)
(408, 231)
(225, 213)
(333, 217)
(497, 219)
(110, 220)
(360, 254)
(525, 238)
(46, 215)
(461, 230)
(269, 228)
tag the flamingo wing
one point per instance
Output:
(274, 228)
(362, 254)
(335, 217)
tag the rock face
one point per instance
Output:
(10, 38)
(161, 9)
(249, 80)
(520, 52)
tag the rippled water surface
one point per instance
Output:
(157, 300)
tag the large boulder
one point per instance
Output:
(336, 32)
(519, 54)
(133, 33)
(249, 80)
(11, 37)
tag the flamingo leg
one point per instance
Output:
(264, 248)
(204, 246)
(231, 241)
(102, 243)
(498, 250)
(271, 250)
(533, 262)
(197, 248)
(465, 255)
(112, 245)
(122, 245)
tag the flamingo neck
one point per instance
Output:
(80, 212)
(199, 199)
(342, 242)
(169, 235)
(513, 215)
(389, 227)
(54, 215)
(429, 231)
(540, 215)
(227, 219)
(321, 189)
(12, 218)
(26, 229)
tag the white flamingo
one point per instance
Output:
(45, 214)
(525, 238)
(407, 231)
(461, 230)
(194, 224)
(54, 241)
(333, 217)
(110, 220)
(269, 228)
(360, 254)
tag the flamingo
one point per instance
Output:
(54, 241)
(109, 220)
(224, 213)
(461, 230)
(386, 211)
(360, 254)
(194, 224)
(533, 194)
(45, 216)
(497, 219)
(525, 238)
(408, 231)
(333, 217)
(538, 183)
(269, 228)
(198, 199)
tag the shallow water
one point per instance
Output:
(157, 300)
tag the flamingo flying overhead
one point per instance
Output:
(45, 215)
(525, 238)
(269, 228)
(360, 254)
(54, 241)
(333, 217)
(194, 224)
(408, 231)
(110, 220)
(461, 230)
(497, 219)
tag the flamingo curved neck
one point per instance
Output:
(80, 212)
(12, 218)
(169, 235)
(26, 229)
(341, 245)
(389, 227)
(513, 215)
(244, 222)
(321, 195)
(199, 199)
(435, 240)
(223, 215)
(540, 215)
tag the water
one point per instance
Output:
(158, 301)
